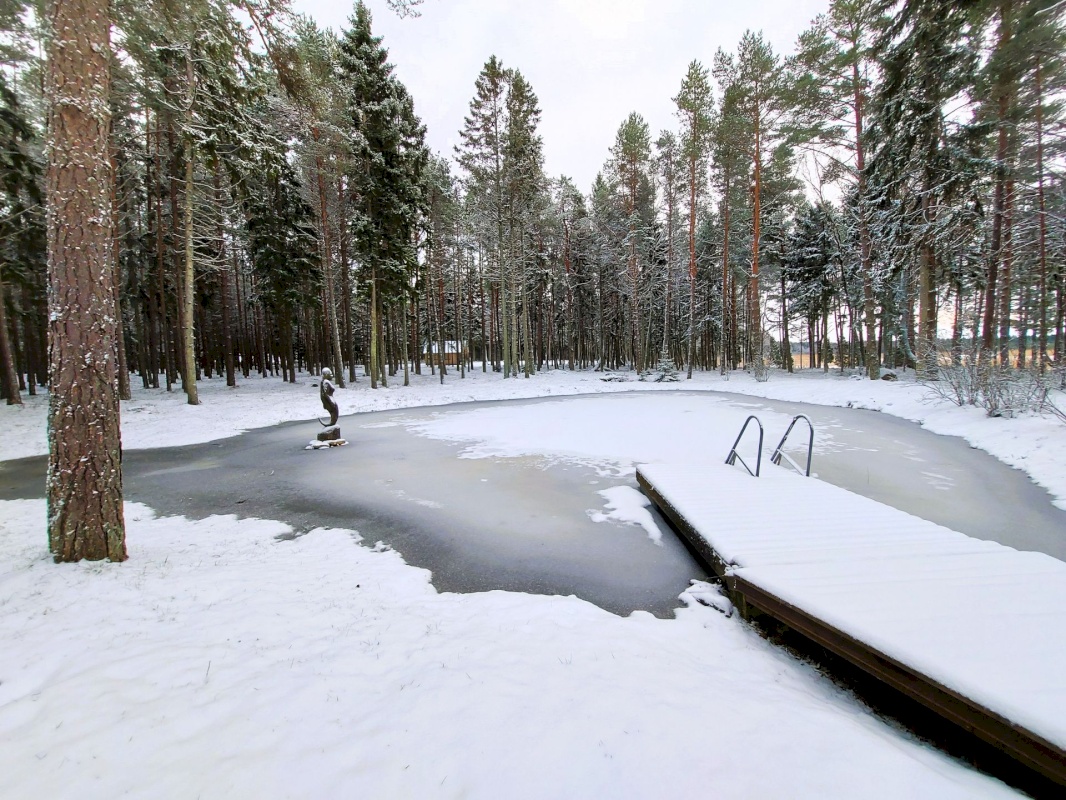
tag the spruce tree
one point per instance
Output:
(524, 187)
(19, 193)
(926, 62)
(671, 175)
(388, 158)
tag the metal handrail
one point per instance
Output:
(734, 455)
(779, 453)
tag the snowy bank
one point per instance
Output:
(220, 661)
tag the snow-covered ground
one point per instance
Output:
(220, 661)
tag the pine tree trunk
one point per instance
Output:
(1023, 326)
(84, 483)
(189, 283)
(374, 323)
(7, 363)
(122, 370)
(999, 194)
(957, 324)
(725, 279)
(244, 337)
(786, 346)
(223, 290)
(1043, 290)
(505, 323)
(346, 282)
(381, 342)
(416, 333)
(327, 266)
(873, 365)
(406, 348)
(1005, 278)
(36, 371)
(691, 265)
(754, 315)
(166, 363)
(927, 298)
(527, 337)
(1060, 319)
(485, 333)
(176, 330)
(124, 390)
(458, 305)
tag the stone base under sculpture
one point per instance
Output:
(330, 437)
(330, 434)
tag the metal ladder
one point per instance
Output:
(779, 453)
(734, 455)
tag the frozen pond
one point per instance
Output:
(539, 495)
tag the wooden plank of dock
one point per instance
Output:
(972, 630)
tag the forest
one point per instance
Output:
(273, 207)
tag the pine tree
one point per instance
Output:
(481, 154)
(835, 60)
(731, 168)
(763, 101)
(321, 94)
(630, 161)
(695, 107)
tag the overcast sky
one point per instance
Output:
(590, 62)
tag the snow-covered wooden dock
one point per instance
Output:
(972, 629)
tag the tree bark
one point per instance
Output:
(1042, 212)
(873, 364)
(223, 288)
(7, 363)
(189, 294)
(327, 266)
(123, 373)
(754, 315)
(84, 482)
(926, 354)
(725, 281)
(999, 195)
(691, 265)
(346, 281)
(374, 324)
(1005, 277)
